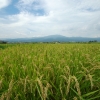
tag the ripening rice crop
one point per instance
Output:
(50, 72)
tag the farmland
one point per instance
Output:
(50, 71)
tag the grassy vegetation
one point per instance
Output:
(50, 72)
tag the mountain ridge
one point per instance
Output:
(54, 38)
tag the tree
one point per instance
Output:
(3, 42)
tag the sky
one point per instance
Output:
(36, 18)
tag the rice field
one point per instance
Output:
(50, 71)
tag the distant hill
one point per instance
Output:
(54, 38)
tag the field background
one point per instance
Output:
(50, 71)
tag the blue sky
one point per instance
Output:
(34, 18)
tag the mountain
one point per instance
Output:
(54, 38)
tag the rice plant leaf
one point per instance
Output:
(77, 94)
(90, 93)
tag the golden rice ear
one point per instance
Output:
(67, 67)
(1, 81)
(77, 85)
(75, 98)
(9, 92)
(2, 97)
(46, 90)
(41, 86)
(16, 98)
(68, 85)
(94, 68)
(43, 89)
(25, 83)
(91, 80)
(68, 81)
(61, 89)
(63, 99)
(87, 71)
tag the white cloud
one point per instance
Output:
(4, 3)
(65, 17)
(30, 5)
